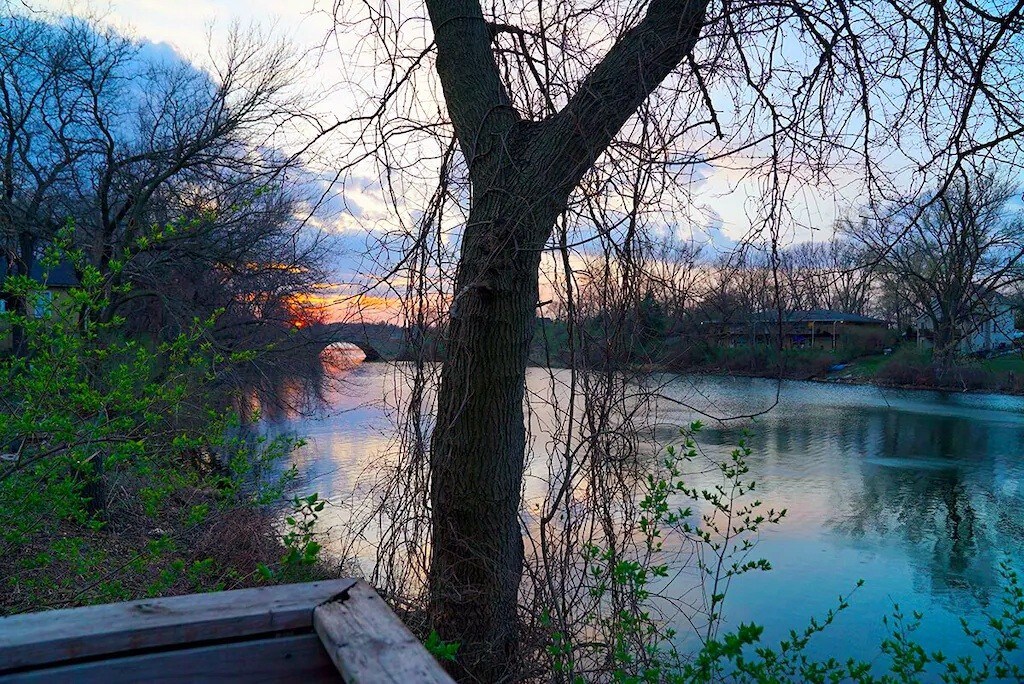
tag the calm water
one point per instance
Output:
(920, 494)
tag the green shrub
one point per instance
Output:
(124, 474)
(723, 521)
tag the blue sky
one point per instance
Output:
(191, 26)
(726, 202)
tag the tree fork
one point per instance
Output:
(522, 174)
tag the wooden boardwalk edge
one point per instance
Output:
(302, 632)
(368, 643)
(273, 660)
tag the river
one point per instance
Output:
(920, 494)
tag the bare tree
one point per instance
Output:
(673, 274)
(826, 275)
(850, 277)
(171, 174)
(522, 175)
(954, 252)
(556, 105)
(41, 121)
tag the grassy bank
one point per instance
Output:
(914, 368)
(907, 366)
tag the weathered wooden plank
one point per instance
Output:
(282, 659)
(56, 636)
(369, 644)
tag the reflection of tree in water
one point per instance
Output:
(940, 489)
(935, 481)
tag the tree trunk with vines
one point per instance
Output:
(522, 174)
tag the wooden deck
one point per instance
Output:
(336, 631)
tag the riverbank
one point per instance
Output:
(906, 368)
(914, 369)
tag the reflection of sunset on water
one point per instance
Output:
(341, 356)
(902, 489)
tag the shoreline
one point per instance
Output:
(917, 387)
(826, 380)
(838, 380)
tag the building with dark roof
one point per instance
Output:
(61, 276)
(54, 280)
(820, 328)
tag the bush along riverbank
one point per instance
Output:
(901, 365)
(905, 368)
(912, 368)
(122, 475)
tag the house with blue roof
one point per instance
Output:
(55, 281)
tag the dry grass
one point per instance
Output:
(138, 554)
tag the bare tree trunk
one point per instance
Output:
(477, 459)
(944, 346)
(522, 173)
(26, 259)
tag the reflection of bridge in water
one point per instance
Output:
(378, 341)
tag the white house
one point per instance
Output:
(992, 328)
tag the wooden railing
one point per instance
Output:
(339, 630)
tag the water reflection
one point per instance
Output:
(917, 493)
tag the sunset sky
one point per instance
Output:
(357, 214)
